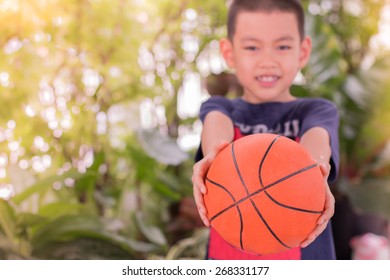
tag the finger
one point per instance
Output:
(205, 220)
(201, 167)
(307, 242)
(325, 170)
(312, 236)
(325, 167)
(322, 220)
(328, 208)
(201, 207)
(198, 184)
(326, 215)
(199, 172)
(199, 203)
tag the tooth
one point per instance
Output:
(267, 79)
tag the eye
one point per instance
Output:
(251, 48)
(284, 47)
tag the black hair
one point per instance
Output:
(293, 6)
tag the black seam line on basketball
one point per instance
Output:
(268, 226)
(270, 197)
(238, 170)
(261, 184)
(264, 157)
(250, 198)
(243, 184)
(247, 192)
(238, 209)
(292, 207)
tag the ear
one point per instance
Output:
(226, 48)
(305, 51)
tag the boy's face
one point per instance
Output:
(266, 53)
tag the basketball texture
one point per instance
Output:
(264, 193)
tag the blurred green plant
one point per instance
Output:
(79, 175)
(350, 68)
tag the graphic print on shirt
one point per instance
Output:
(288, 129)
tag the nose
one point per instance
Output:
(267, 59)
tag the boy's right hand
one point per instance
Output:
(200, 170)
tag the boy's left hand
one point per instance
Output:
(328, 210)
(200, 170)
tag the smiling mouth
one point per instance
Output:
(267, 79)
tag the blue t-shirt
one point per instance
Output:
(291, 119)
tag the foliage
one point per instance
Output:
(72, 139)
(90, 167)
(347, 69)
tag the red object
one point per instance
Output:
(265, 194)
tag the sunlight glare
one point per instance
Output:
(4, 79)
(13, 146)
(37, 165)
(46, 161)
(190, 14)
(3, 173)
(46, 94)
(382, 39)
(189, 96)
(29, 111)
(13, 45)
(9, 5)
(39, 142)
(3, 160)
(6, 191)
(24, 164)
(11, 124)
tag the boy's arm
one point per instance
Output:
(217, 133)
(217, 128)
(317, 143)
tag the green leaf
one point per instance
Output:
(152, 233)
(26, 220)
(7, 220)
(370, 195)
(165, 190)
(66, 228)
(194, 246)
(69, 228)
(60, 208)
(47, 183)
(160, 147)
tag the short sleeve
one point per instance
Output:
(216, 103)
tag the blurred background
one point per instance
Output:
(99, 122)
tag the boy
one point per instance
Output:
(266, 46)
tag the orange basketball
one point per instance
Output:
(264, 193)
